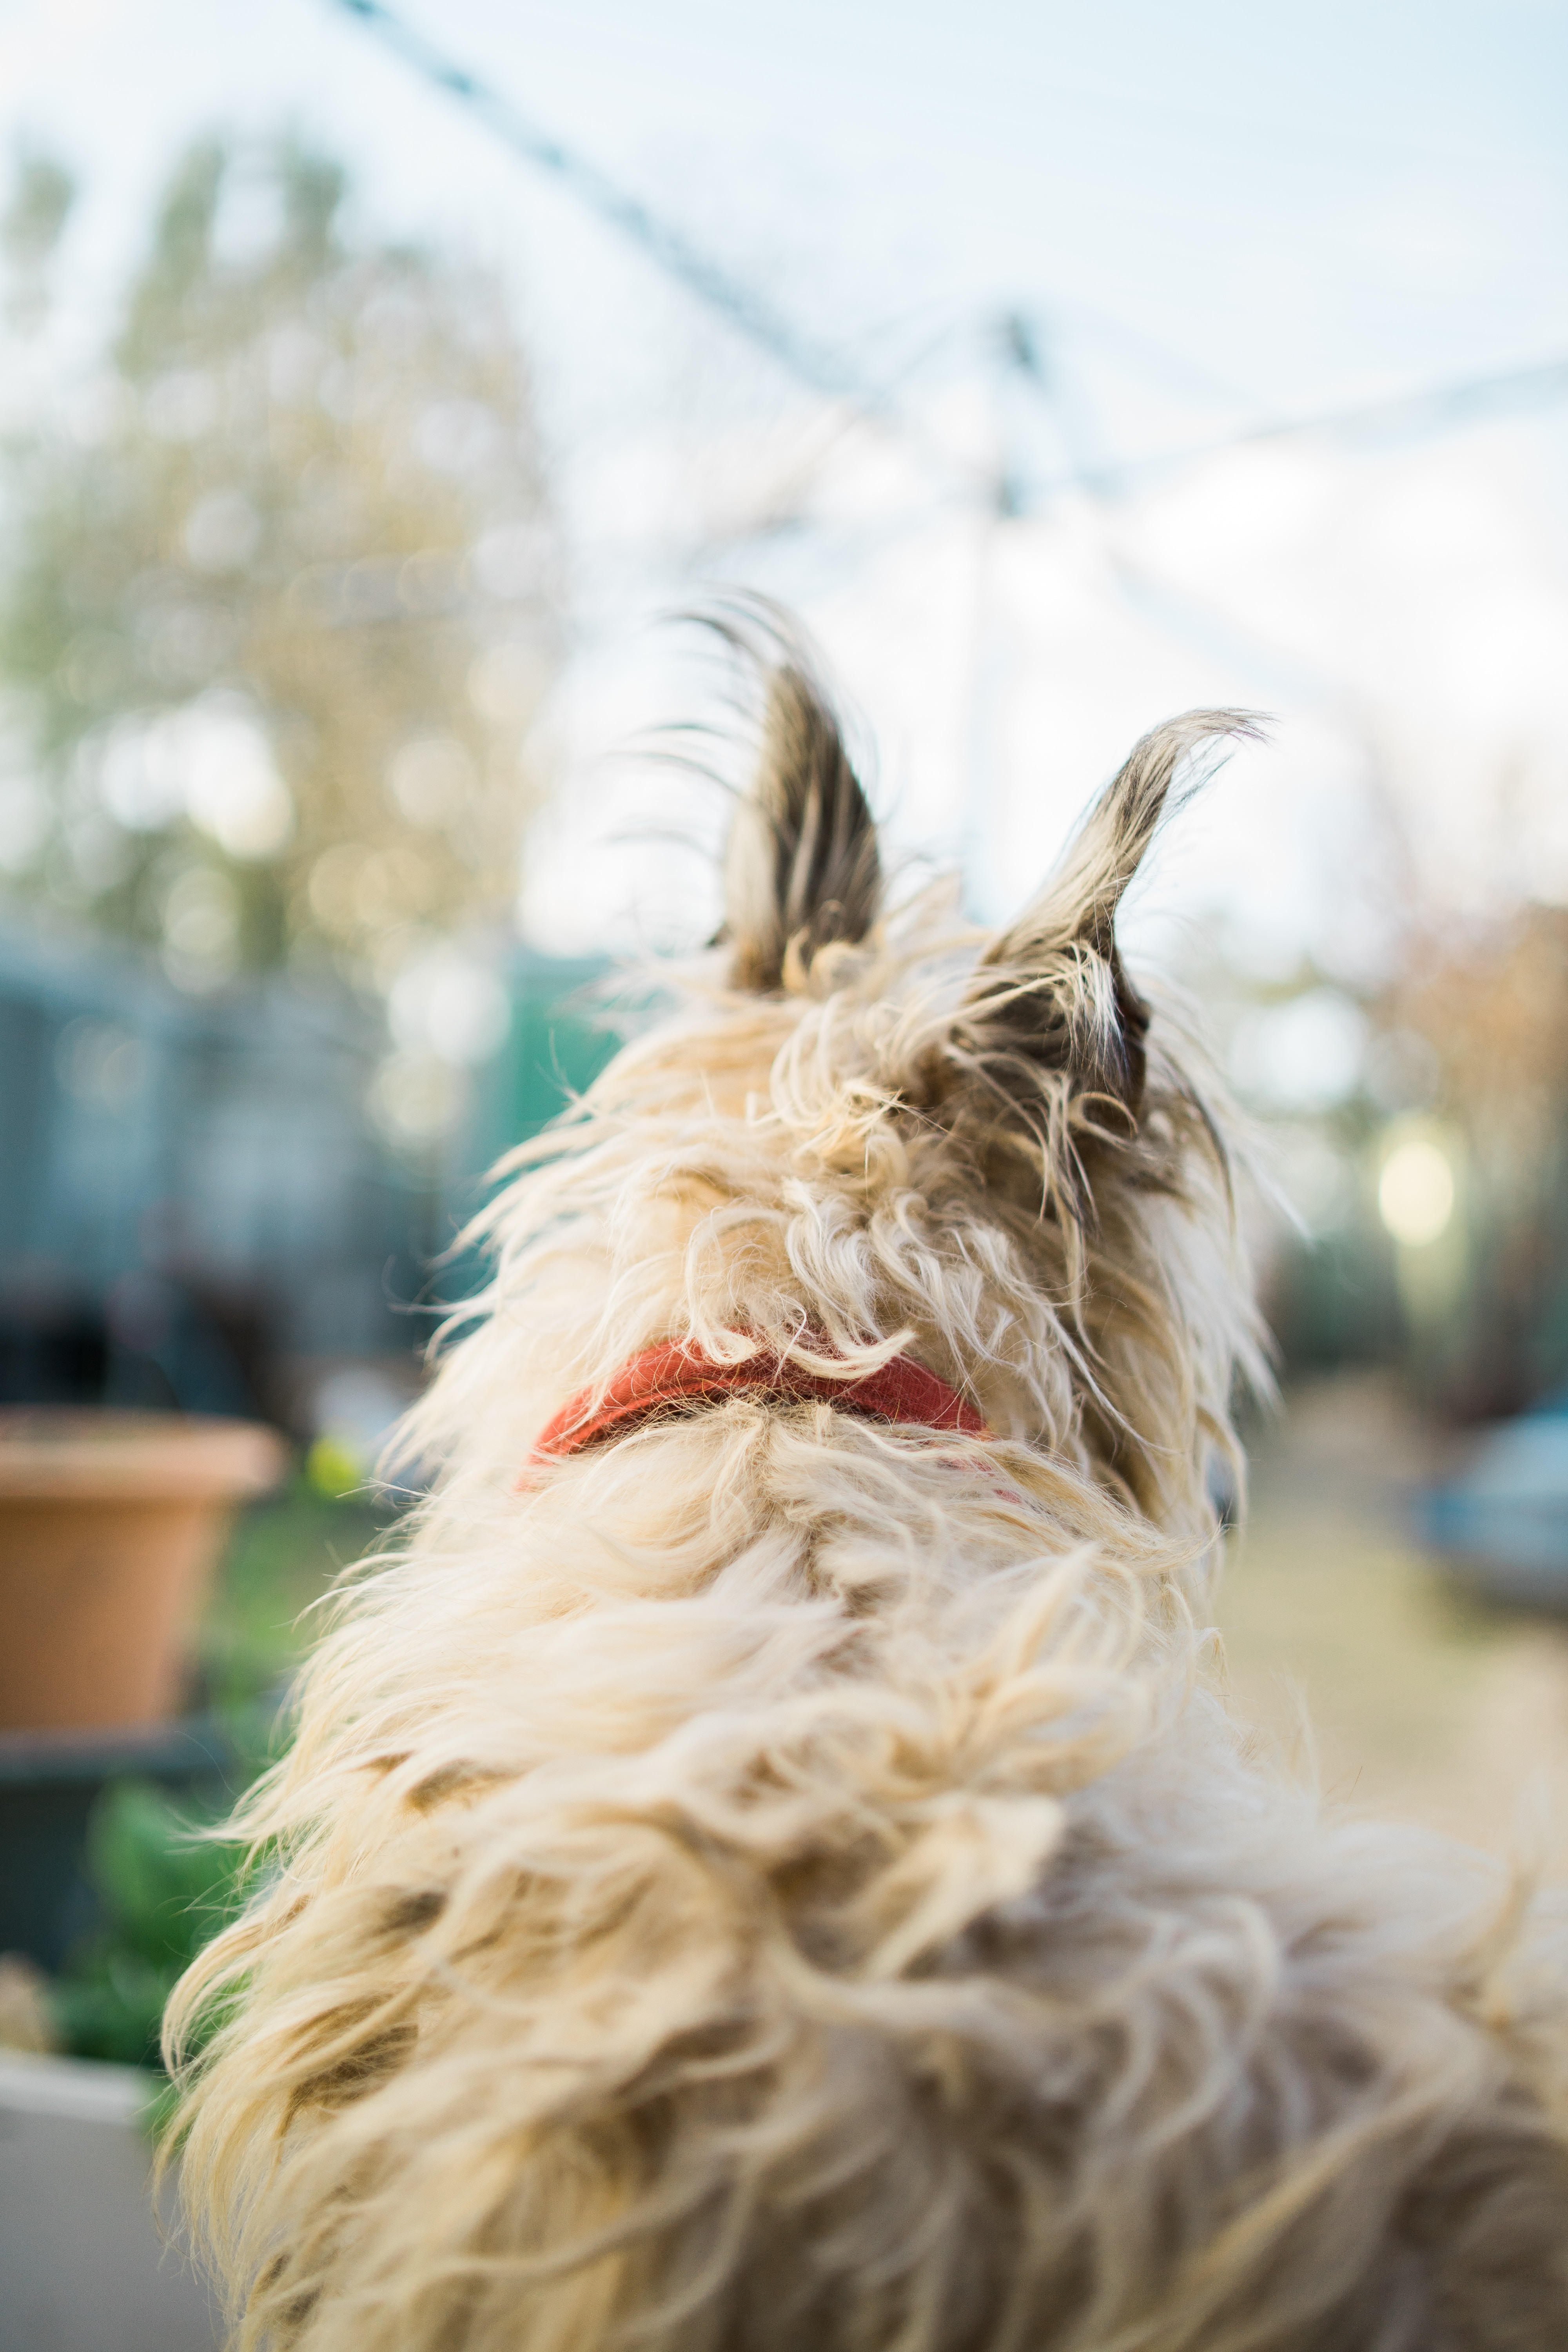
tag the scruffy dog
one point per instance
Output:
(768, 1866)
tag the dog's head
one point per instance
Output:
(870, 1130)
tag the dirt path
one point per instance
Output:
(1420, 1704)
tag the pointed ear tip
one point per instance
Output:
(1250, 726)
(1216, 732)
(1157, 757)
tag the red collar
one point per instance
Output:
(674, 1373)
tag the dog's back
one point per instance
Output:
(772, 1867)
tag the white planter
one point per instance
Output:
(83, 2267)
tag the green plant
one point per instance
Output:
(282, 1557)
(167, 1883)
(165, 1878)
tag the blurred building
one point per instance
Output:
(196, 1205)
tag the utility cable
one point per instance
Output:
(668, 247)
(1436, 409)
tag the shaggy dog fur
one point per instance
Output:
(778, 1882)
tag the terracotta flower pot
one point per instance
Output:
(110, 1525)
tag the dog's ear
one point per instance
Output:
(802, 868)
(1051, 1017)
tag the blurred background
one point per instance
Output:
(377, 381)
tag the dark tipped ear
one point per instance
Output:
(802, 867)
(1051, 990)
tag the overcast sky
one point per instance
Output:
(1212, 216)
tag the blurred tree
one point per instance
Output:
(40, 205)
(279, 590)
(1488, 1018)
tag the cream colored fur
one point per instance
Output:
(780, 1882)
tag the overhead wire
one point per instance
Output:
(830, 374)
(1434, 408)
(1026, 349)
(665, 244)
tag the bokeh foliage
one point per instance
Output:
(165, 1877)
(278, 597)
(167, 1883)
